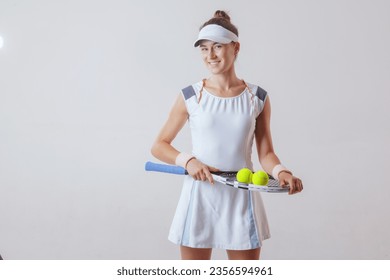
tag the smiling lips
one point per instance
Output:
(213, 62)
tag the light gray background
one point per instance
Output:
(86, 85)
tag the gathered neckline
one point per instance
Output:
(228, 97)
(246, 89)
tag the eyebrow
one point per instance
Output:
(215, 43)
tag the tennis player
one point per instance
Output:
(225, 115)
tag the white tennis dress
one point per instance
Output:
(219, 216)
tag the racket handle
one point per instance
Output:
(165, 168)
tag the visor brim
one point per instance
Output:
(221, 40)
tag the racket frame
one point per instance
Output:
(226, 177)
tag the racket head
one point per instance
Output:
(229, 178)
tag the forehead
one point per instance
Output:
(208, 43)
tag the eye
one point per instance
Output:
(218, 46)
(203, 49)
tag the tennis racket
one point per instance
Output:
(227, 178)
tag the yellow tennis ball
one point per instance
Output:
(260, 178)
(244, 175)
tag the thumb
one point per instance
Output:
(283, 182)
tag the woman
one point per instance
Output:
(225, 114)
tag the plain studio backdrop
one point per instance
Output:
(85, 86)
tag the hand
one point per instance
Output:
(295, 183)
(200, 171)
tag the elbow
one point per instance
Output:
(157, 149)
(154, 150)
(265, 157)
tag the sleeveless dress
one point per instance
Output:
(222, 133)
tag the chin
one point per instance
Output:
(215, 71)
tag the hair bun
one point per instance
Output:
(222, 14)
(223, 19)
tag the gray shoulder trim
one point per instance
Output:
(188, 92)
(261, 93)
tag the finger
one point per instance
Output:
(292, 191)
(198, 175)
(292, 187)
(295, 186)
(209, 177)
(298, 185)
(283, 183)
(213, 169)
(194, 175)
(202, 175)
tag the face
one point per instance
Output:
(219, 58)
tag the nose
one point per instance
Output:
(212, 53)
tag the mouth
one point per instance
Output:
(213, 63)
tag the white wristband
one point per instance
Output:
(277, 169)
(182, 159)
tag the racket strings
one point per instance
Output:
(229, 174)
(231, 177)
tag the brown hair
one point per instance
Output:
(223, 19)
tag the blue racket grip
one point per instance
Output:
(165, 168)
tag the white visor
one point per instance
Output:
(216, 33)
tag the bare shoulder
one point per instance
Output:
(266, 112)
(179, 106)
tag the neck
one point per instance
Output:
(224, 81)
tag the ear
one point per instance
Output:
(236, 48)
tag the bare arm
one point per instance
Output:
(162, 148)
(164, 151)
(267, 156)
